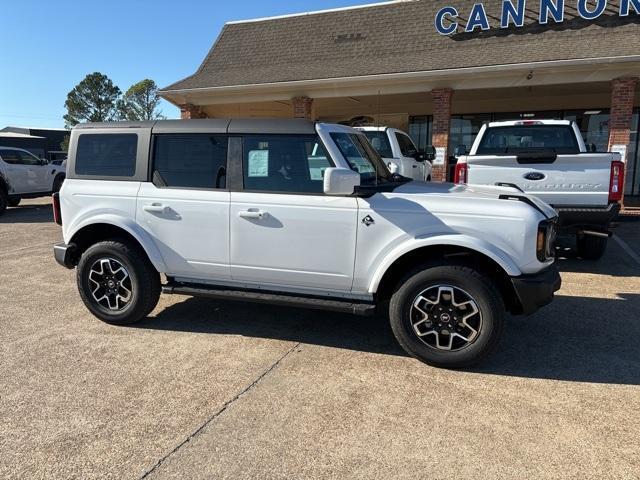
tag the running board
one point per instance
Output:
(315, 303)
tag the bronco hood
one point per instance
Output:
(471, 192)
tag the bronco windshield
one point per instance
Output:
(362, 158)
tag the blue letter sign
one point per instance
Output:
(440, 17)
(624, 7)
(553, 7)
(513, 13)
(510, 13)
(477, 18)
(587, 14)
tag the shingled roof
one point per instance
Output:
(397, 37)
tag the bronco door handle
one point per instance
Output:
(155, 208)
(252, 213)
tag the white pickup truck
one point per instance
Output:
(549, 159)
(400, 153)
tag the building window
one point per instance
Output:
(420, 130)
(594, 125)
(464, 128)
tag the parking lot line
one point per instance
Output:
(627, 248)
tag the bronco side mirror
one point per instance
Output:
(340, 181)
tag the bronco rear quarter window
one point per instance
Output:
(107, 155)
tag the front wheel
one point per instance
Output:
(590, 247)
(117, 282)
(13, 201)
(447, 316)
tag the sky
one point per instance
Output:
(48, 47)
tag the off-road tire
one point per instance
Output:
(590, 247)
(480, 287)
(13, 201)
(145, 281)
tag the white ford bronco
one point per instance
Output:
(297, 213)
(23, 175)
(549, 159)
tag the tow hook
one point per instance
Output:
(592, 233)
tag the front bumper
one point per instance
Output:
(535, 291)
(64, 254)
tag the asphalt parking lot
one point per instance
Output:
(204, 389)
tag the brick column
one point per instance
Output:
(302, 107)
(622, 97)
(441, 125)
(189, 111)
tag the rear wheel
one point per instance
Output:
(447, 316)
(14, 201)
(117, 282)
(590, 247)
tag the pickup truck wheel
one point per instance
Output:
(13, 201)
(590, 247)
(447, 316)
(117, 283)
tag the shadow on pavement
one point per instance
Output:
(40, 213)
(578, 339)
(574, 339)
(615, 263)
(198, 315)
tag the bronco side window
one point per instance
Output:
(190, 161)
(107, 155)
(284, 163)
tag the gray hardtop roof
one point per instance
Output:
(214, 125)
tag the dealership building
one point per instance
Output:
(437, 69)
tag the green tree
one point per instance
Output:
(141, 102)
(64, 145)
(94, 99)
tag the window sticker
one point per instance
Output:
(258, 163)
(317, 166)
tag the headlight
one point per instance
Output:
(545, 244)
